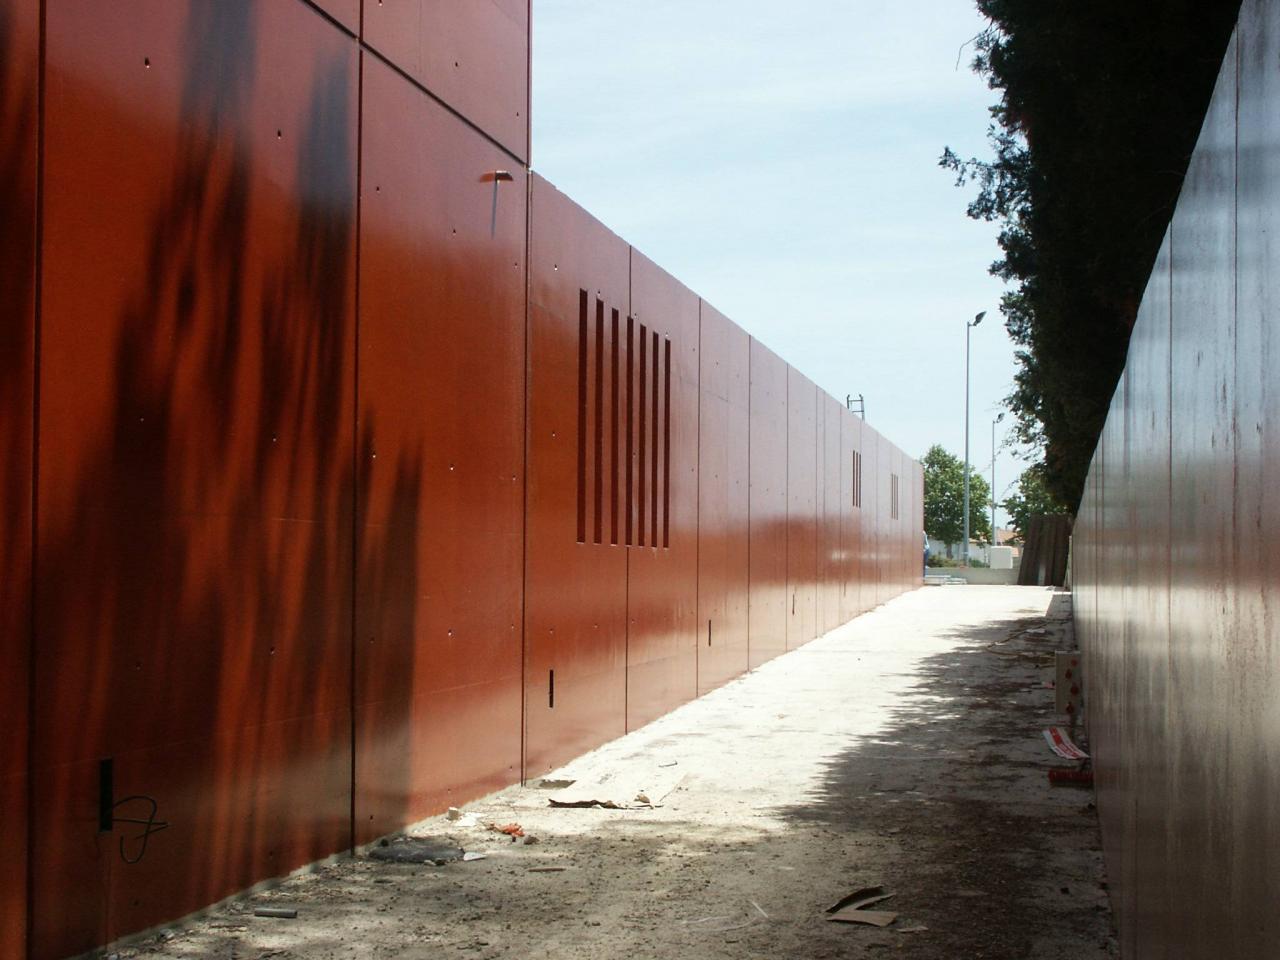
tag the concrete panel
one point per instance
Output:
(194, 586)
(474, 56)
(344, 12)
(871, 518)
(441, 446)
(1202, 407)
(724, 357)
(770, 599)
(1255, 661)
(576, 588)
(662, 573)
(19, 53)
(833, 470)
(850, 435)
(1147, 648)
(802, 509)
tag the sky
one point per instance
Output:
(781, 160)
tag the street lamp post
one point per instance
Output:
(993, 478)
(969, 325)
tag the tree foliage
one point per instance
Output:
(1100, 105)
(1032, 499)
(944, 499)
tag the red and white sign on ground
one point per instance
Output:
(1062, 745)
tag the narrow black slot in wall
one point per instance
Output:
(106, 794)
(666, 445)
(598, 499)
(551, 689)
(628, 464)
(708, 633)
(653, 486)
(642, 473)
(582, 416)
(613, 432)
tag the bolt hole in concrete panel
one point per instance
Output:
(219, 269)
(430, 40)
(662, 581)
(439, 320)
(576, 594)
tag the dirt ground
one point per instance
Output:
(902, 750)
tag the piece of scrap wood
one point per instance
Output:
(864, 897)
(873, 918)
(622, 789)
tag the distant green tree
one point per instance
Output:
(1034, 498)
(944, 499)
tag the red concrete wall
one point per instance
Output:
(802, 509)
(371, 473)
(441, 496)
(770, 599)
(19, 114)
(830, 572)
(662, 573)
(724, 506)
(194, 572)
(575, 587)
(1174, 567)
(474, 56)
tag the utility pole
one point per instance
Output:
(964, 547)
(993, 480)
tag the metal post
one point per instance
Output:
(993, 481)
(964, 546)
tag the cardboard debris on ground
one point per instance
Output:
(620, 789)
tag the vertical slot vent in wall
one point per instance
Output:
(598, 501)
(857, 479)
(666, 444)
(582, 417)
(613, 431)
(644, 407)
(624, 440)
(653, 488)
(893, 496)
(629, 464)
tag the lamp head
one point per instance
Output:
(978, 319)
